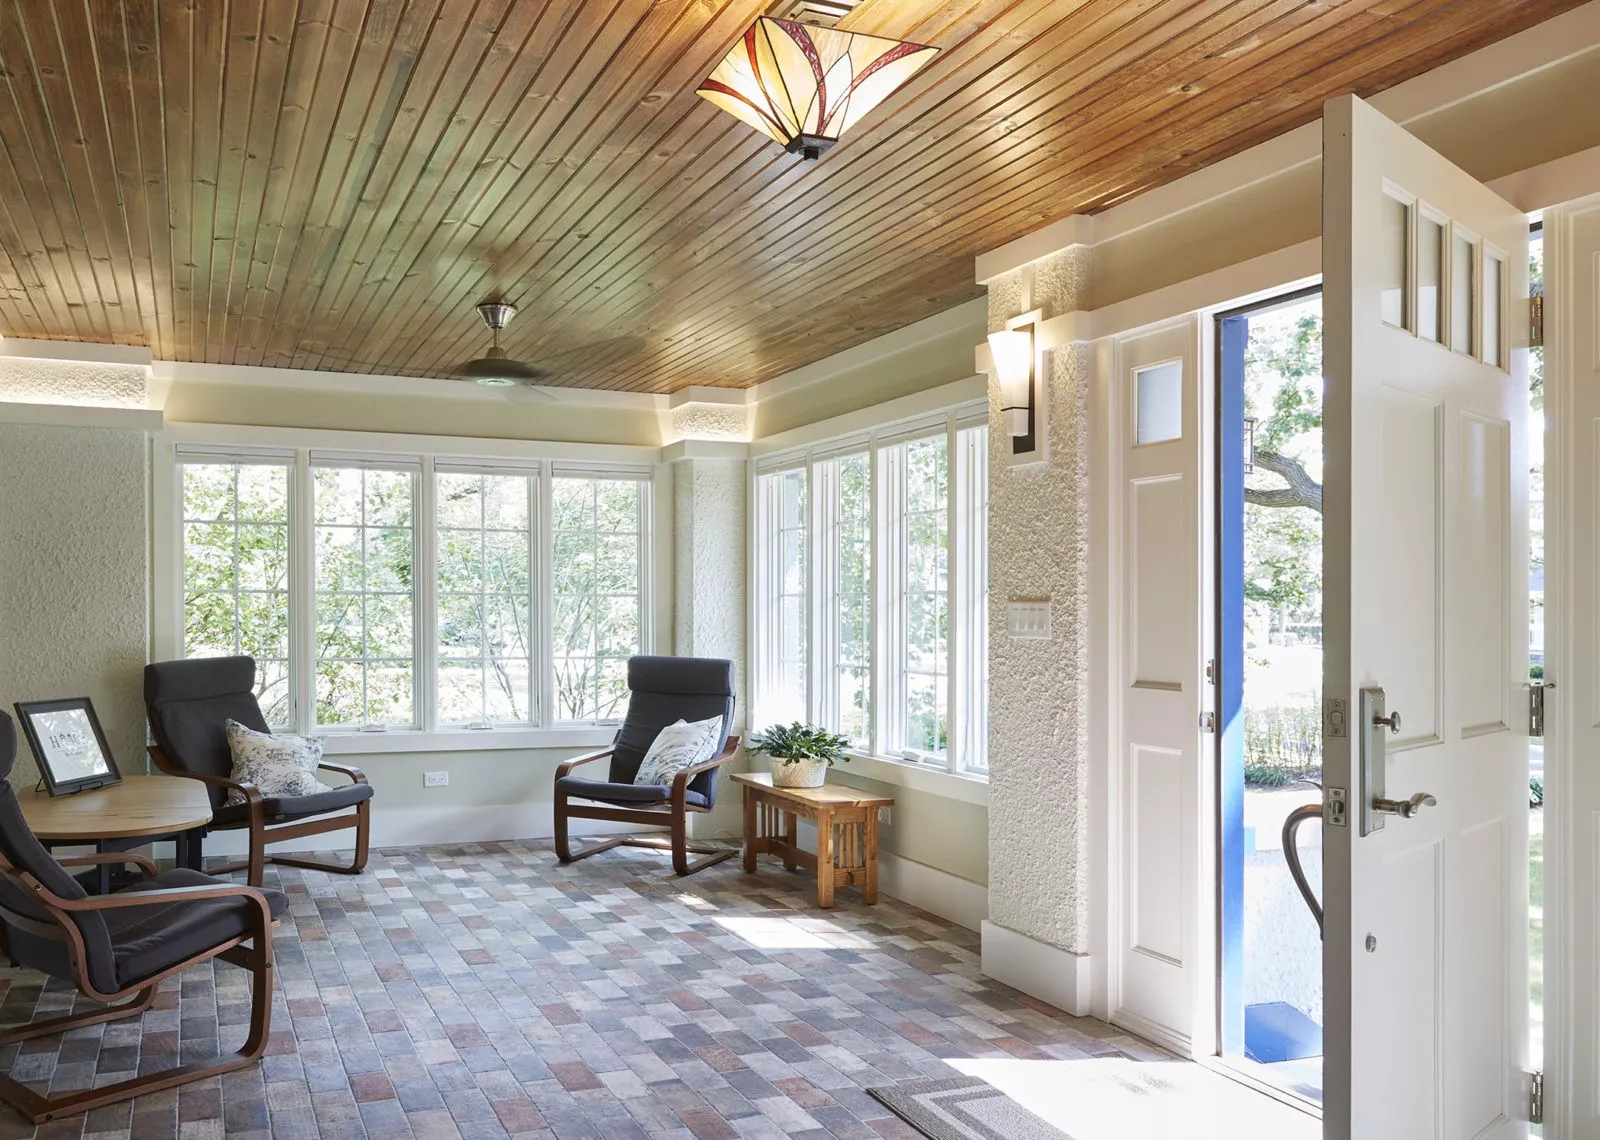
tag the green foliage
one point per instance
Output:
(1287, 353)
(236, 573)
(790, 743)
(1535, 792)
(1281, 745)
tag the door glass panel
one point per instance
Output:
(1430, 272)
(1463, 271)
(1158, 394)
(1396, 249)
(1493, 275)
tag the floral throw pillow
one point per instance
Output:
(678, 746)
(278, 765)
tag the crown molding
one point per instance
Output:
(250, 375)
(74, 351)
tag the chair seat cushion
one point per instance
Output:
(147, 940)
(278, 808)
(624, 795)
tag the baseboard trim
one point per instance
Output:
(1038, 969)
(419, 827)
(1152, 1031)
(951, 897)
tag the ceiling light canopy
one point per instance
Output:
(805, 86)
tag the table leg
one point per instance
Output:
(749, 831)
(791, 837)
(825, 859)
(869, 857)
(187, 853)
(103, 871)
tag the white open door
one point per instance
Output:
(1425, 571)
(1572, 631)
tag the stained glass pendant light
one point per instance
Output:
(805, 86)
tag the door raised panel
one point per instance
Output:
(1475, 1027)
(1412, 596)
(1160, 831)
(1407, 988)
(1478, 575)
(1161, 584)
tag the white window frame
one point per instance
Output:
(967, 695)
(221, 443)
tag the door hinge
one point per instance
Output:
(1535, 1084)
(1536, 320)
(1536, 692)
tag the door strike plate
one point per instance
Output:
(1333, 808)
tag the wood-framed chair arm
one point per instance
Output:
(680, 782)
(161, 897)
(564, 769)
(729, 751)
(251, 793)
(357, 776)
(110, 857)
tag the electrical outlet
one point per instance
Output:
(884, 815)
(436, 779)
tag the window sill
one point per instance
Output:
(577, 738)
(919, 777)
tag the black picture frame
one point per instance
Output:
(64, 735)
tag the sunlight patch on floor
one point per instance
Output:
(1115, 1098)
(792, 933)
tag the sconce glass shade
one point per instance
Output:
(805, 86)
(1012, 352)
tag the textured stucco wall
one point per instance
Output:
(708, 614)
(70, 382)
(1039, 690)
(74, 567)
(710, 421)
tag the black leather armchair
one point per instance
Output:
(663, 690)
(118, 947)
(188, 703)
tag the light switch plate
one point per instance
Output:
(1028, 619)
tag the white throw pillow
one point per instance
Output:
(278, 765)
(678, 746)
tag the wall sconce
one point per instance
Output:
(1014, 352)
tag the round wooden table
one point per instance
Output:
(139, 810)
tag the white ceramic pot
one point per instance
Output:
(799, 773)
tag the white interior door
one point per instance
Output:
(1425, 566)
(1572, 742)
(1158, 951)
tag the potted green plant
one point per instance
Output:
(801, 753)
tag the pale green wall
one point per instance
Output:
(554, 422)
(948, 835)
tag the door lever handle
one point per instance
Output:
(1405, 809)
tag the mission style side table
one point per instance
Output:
(847, 832)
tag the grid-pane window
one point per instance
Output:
(871, 591)
(483, 563)
(971, 480)
(598, 538)
(920, 540)
(844, 501)
(782, 566)
(364, 552)
(236, 571)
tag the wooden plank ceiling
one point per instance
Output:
(333, 184)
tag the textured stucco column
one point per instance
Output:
(1039, 689)
(74, 576)
(709, 586)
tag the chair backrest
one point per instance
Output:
(34, 948)
(664, 690)
(188, 703)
